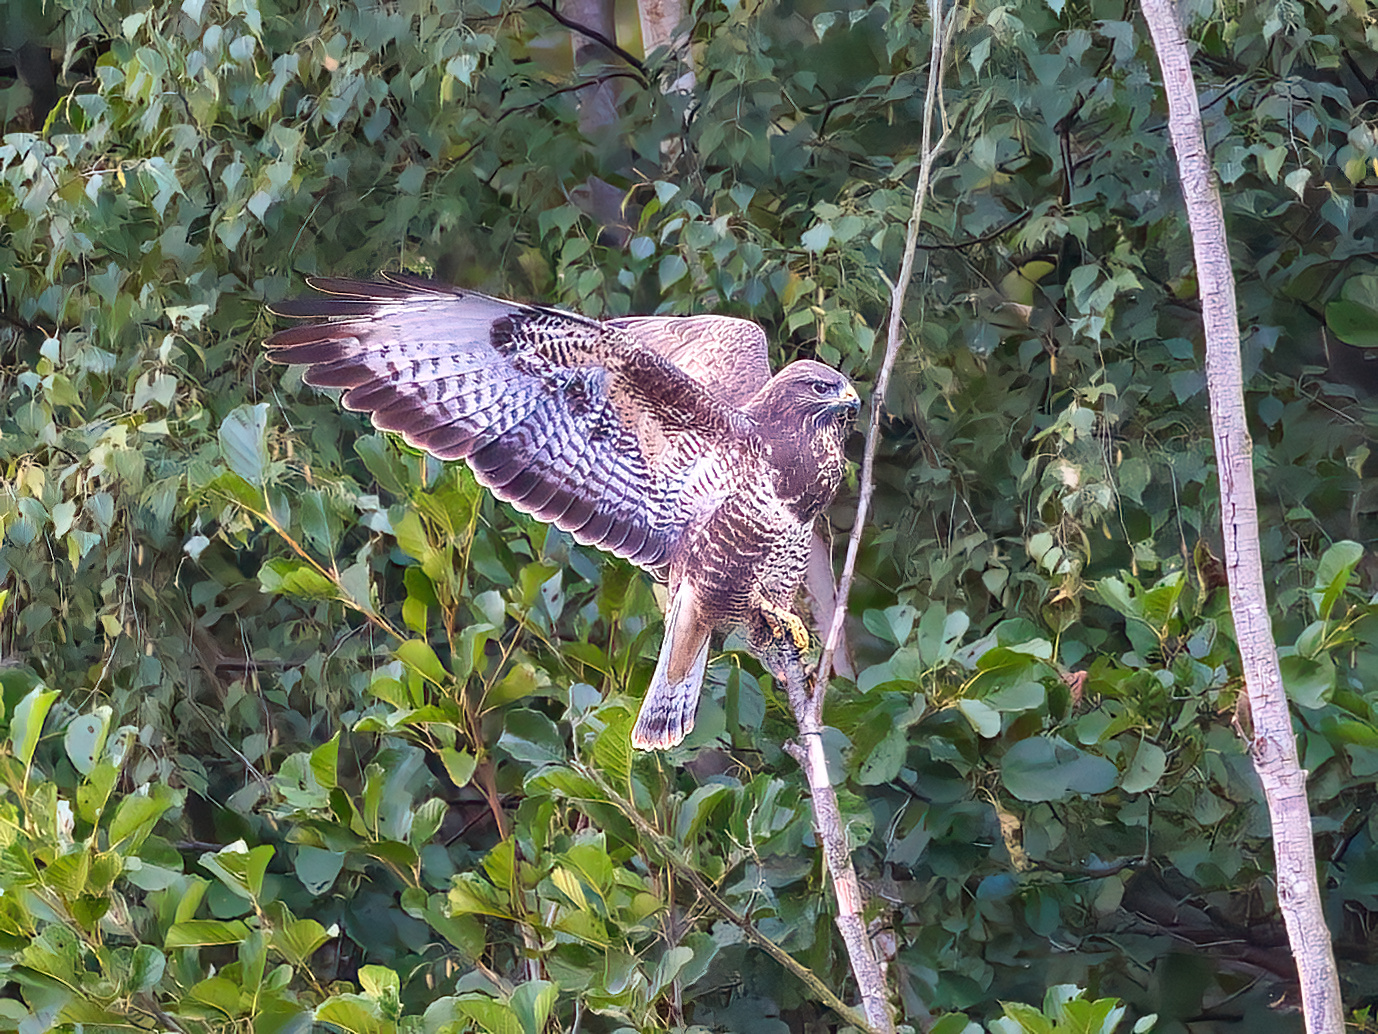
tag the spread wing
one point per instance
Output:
(728, 356)
(572, 420)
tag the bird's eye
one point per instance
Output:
(822, 388)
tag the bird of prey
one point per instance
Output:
(661, 439)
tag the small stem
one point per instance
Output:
(808, 706)
(672, 854)
(943, 28)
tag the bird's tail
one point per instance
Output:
(672, 700)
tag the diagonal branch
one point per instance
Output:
(832, 837)
(943, 28)
(672, 854)
(588, 32)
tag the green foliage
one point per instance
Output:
(302, 726)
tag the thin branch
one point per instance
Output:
(832, 836)
(808, 704)
(943, 29)
(672, 853)
(985, 238)
(595, 35)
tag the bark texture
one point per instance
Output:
(661, 21)
(827, 824)
(598, 117)
(1274, 747)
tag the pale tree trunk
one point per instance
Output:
(661, 22)
(1274, 747)
(597, 110)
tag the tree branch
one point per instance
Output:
(943, 27)
(672, 853)
(598, 37)
(808, 706)
(827, 824)
(1274, 746)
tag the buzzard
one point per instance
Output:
(661, 439)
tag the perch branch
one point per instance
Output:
(808, 706)
(827, 823)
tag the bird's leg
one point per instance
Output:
(779, 638)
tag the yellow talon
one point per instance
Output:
(784, 622)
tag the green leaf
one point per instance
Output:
(240, 868)
(194, 933)
(531, 737)
(295, 578)
(136, 815)
(325, 761)
(244, 442)
(1309, 682)
(697, 809)
(1021, 1019)
(85, 739)
(299, 939)
(669, 968)
(493, 1016)
(532, 1002)
(520, 681)
(459, 765)
(147, 968)
(379, 981)
(817, 237)
(418, 655)
(984, 718)
(955, 1023)
(672, 269)
(1148, 766)
(221, 993)
(317, 868)
(887, 757)
(384, 462)
(1336, 565)
(355, 1014)
(1047, 768)
(27, 724)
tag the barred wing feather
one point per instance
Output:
(578, 422)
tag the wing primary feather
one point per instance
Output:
(588, 425)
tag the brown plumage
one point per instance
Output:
(661, 439)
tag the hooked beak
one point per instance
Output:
(848, 402)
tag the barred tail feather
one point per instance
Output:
(668, 710)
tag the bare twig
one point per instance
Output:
(827, 821)
(806, 704)
(943, 27)
(1274, 746)
(588, 32)
(672, 853)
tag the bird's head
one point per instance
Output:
(818, 393)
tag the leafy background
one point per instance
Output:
(302, 725)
